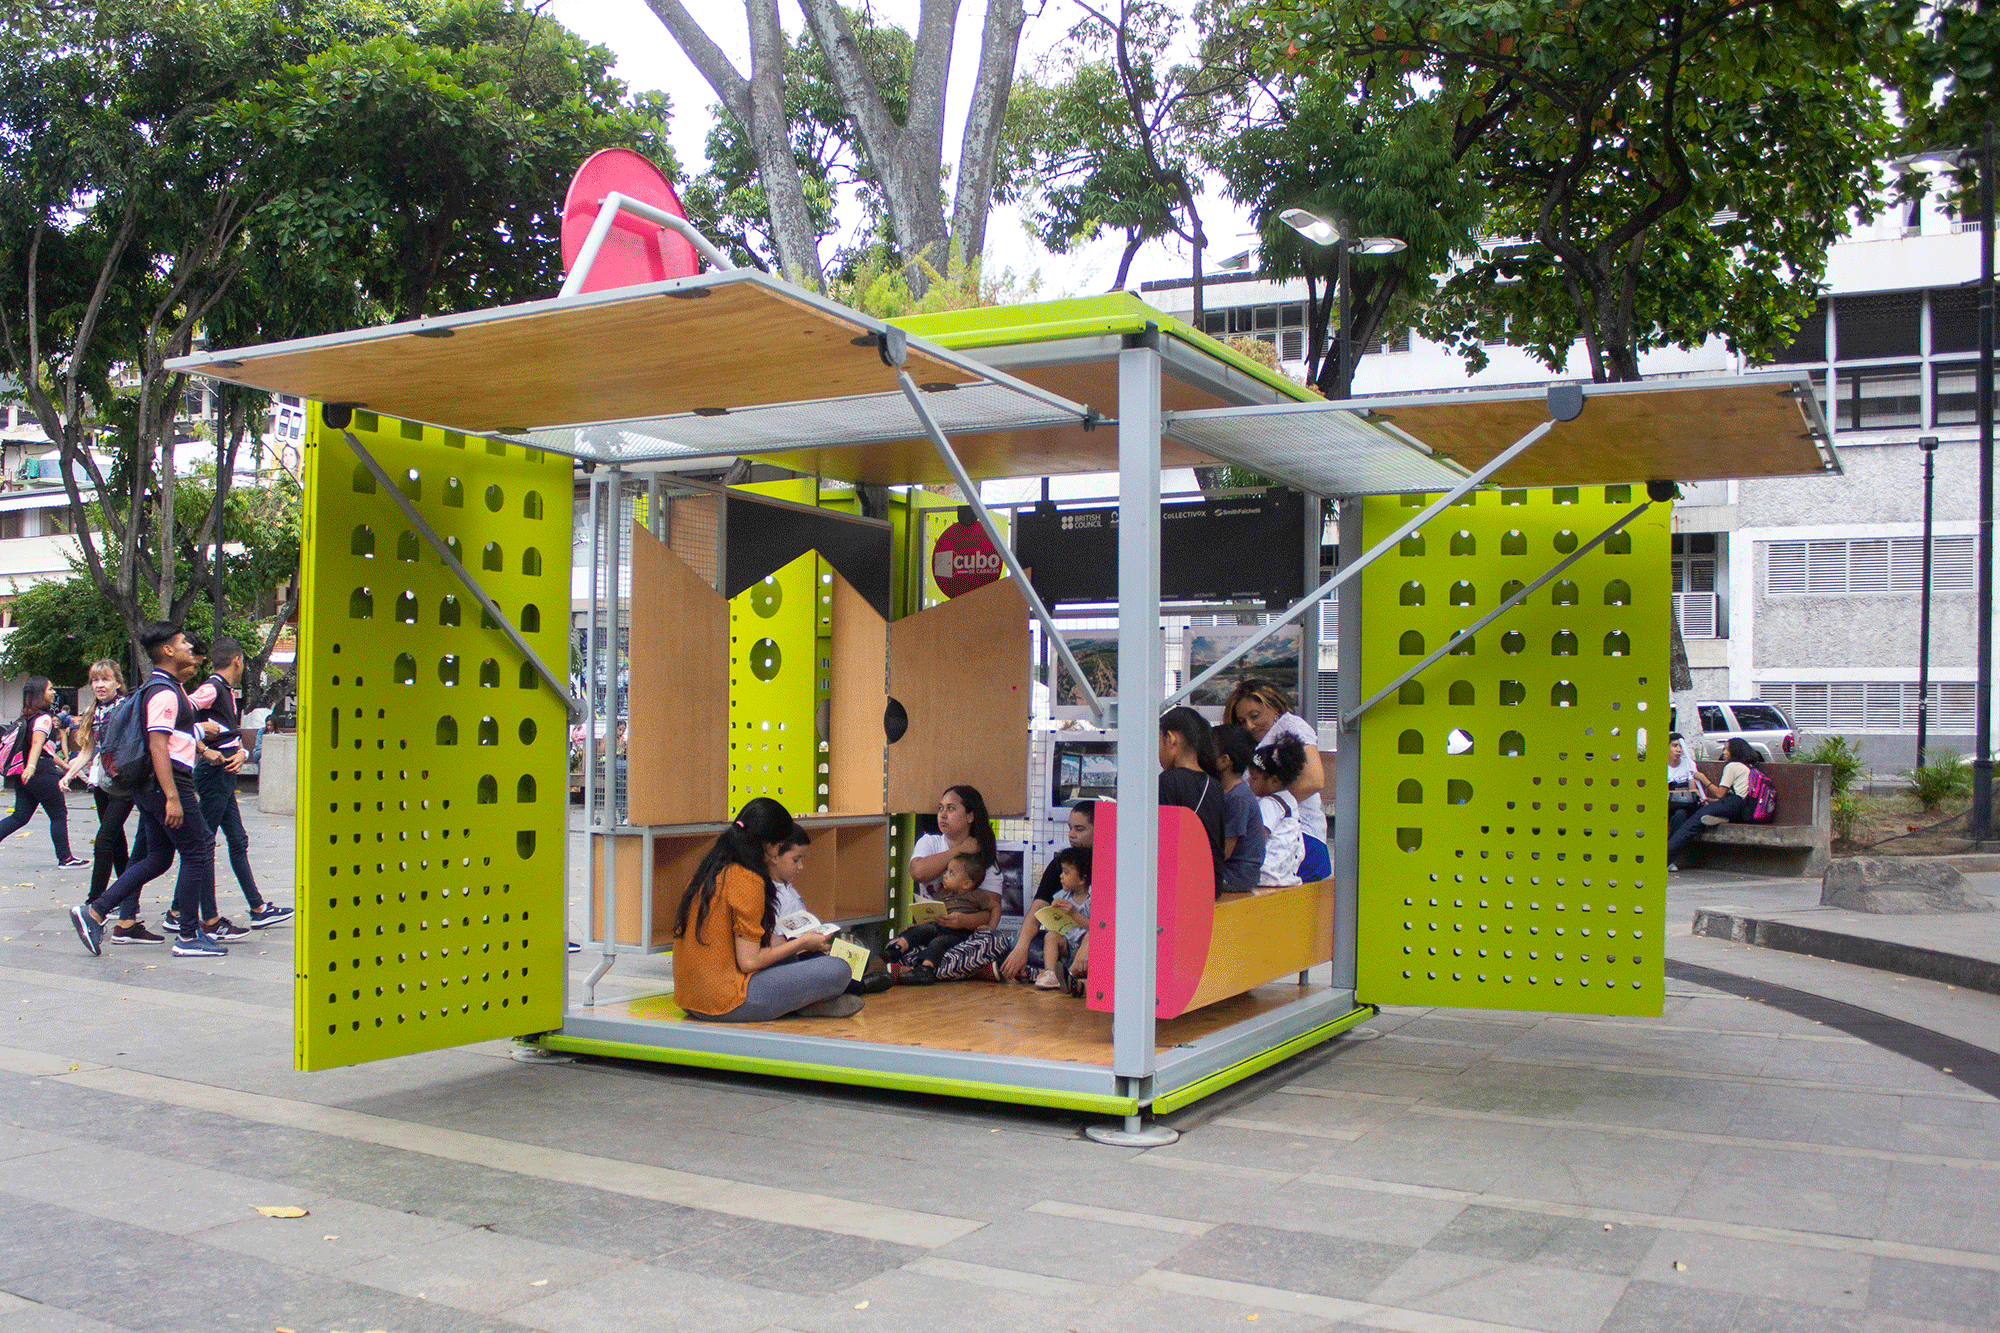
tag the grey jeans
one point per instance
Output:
(784, 987)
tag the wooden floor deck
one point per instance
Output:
(988, 1019)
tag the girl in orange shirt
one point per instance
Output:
(726, 967)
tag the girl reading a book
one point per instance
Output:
(1065, 922)
(727, 969)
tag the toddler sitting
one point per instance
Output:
(967, 908)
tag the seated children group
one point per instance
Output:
(1254, 783)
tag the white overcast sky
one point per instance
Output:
(649, 58)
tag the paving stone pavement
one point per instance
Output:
(1741, 1165)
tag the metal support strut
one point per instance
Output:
(970, 489)
(1507, 604)
(1367, 558)
(607, 214)
(429, 534)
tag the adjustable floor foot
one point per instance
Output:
(538, 1055)
(1133, 1133)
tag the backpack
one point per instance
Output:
(1761, 801)
(121, 747)
(13, 755)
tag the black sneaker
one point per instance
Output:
(201, 945)
(172, 921)
(72, 863)
(269, 914)
(88, 929)
(134, 932)
(225, 929)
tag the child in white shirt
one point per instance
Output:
(1273, 769)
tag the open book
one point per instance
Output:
(1054, 918)
(927, 909)
(794, 924)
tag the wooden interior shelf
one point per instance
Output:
(846, 876)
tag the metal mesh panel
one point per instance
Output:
(431, 852)
(1513, 807)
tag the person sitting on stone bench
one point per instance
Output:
(1723, 802)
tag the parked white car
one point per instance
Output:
(1761, 724)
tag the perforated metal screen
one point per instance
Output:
(432, 804)
(1513, 803)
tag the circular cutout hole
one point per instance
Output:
(765, 659)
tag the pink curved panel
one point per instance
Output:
(636, 251)
(1186, 900)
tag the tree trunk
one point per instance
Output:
(758, 103)
(984, 119)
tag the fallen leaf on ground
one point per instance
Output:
(329, 1238)
(284, 1210)
(1680, 1267)
(1607, 1226)
(542, 1282)
(862, 1306)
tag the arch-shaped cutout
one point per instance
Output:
(524, 843)
(1462, 593)
(531, 505)
(1462, 693)
(1513, 744)
(447, 730)
(364, 480)
(524, 790)
(1565, 593)
(407, 546)
(1410, 792)
(1409, 839)
(1510, 587)
(1466, 647)
(1618, 593)
(363, 541)
(1411, 644)
(489, 674)
(1565, 541)
(1458, 741)
(1562, 694)
(1618, 543)
(489, 731)
(1410, 742)
(1514, 542)
(1617, 644)
(1464, 543)
(406, 669)
(495, 498)
(456, 547)
(531, 562)
(361, 604)
(1512, 692)
(1411, 545)
(1410, 692)
(411, 483)
(406, 607)
(1457, 792)
(493, 558)
(531, 619)
(529, 678)
(489, 790)
(449, 610)
(448, 668)
(486, 620)
(1513, 642)
(454, 493)
(1562, 644)
(527, 731)
(1410, 594)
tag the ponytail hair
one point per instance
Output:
(1193, 729)
(1284, 760)
(758, 825)
(35, 697)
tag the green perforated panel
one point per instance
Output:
(773, 679)
(431, 756)
(1513, 811)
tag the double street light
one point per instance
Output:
(1321, 231)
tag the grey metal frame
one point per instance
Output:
(612, 205)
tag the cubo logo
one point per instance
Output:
(964, 559)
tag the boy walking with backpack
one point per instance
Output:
(219, 758)
(166, 801)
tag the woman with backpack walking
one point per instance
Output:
(31, 769)
(109, 852)
(1724, 801)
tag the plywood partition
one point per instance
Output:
(858, 671)
(961, 673)
(678, 752)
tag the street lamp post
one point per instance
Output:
(1321, 231)
(1982, 744)
(1928, 444)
